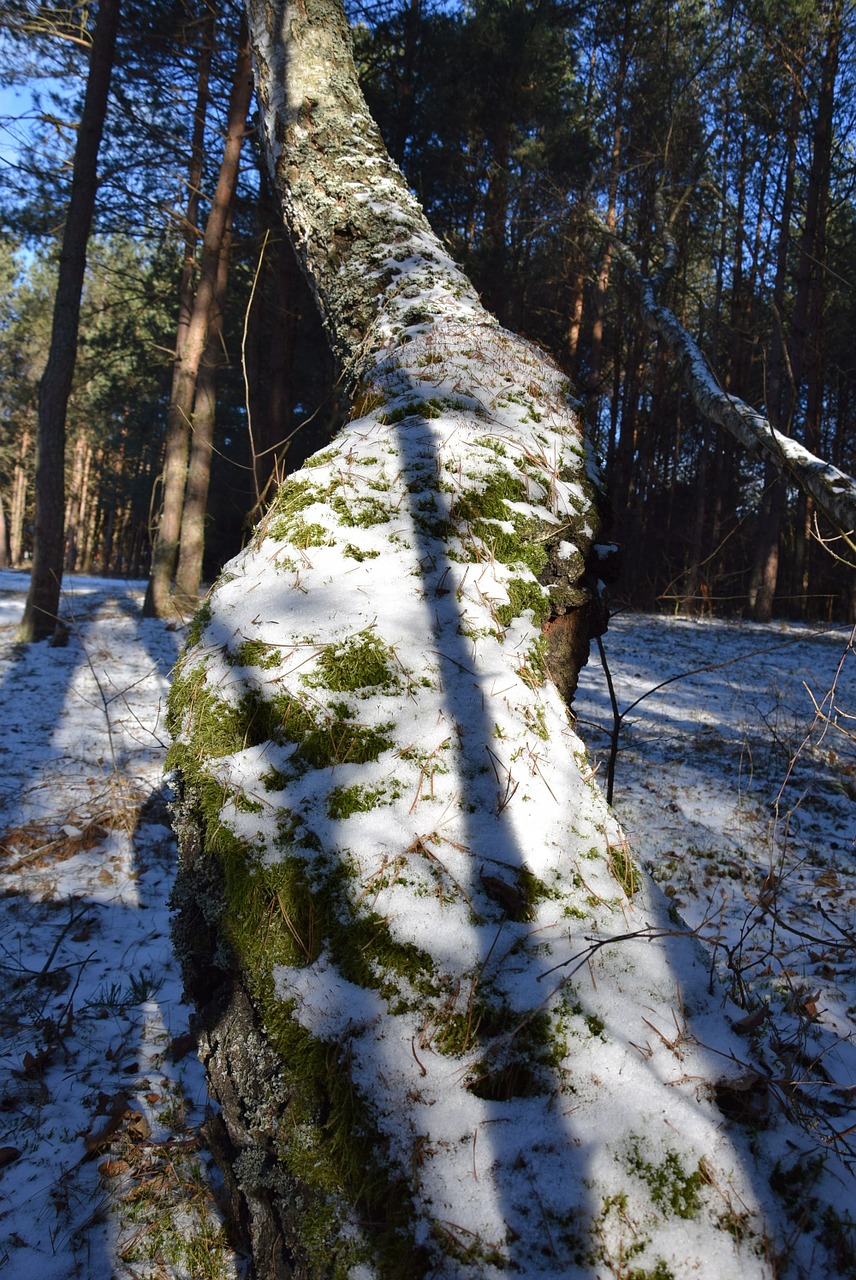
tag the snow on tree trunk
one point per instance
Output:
(451, 1026)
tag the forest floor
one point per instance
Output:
(103, 1170)
(735, 782)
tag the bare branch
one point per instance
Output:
(834, 491)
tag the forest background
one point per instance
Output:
(515, 121)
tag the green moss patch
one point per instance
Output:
(321, 459)
(673, 1190)
(328, 741)
(256, 653)
(623, 869)
(362, 661)
(344, 802)
(356, 553)
(227, 727)
(218, 728)
(200, 621)
(521, 1053)
(359, 511)
(525, 594)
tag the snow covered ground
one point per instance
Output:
(736, 787)
(735, 782)
(101, 1093)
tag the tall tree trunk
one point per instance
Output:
(177, 428)
(284, 320)
(272, 337)
(788, 361)
(192, 233)
(19, 500)
(780, 393)
(576, 293)
(595, 373)
(806, 356)
(495, 236)
(765, 566)
(192, 540)
(4, 539)
(93, 524)
(405, 87)
(179, 414)
(42, 604)
(75, 504)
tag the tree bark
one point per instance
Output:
(272, 328)
(176, 444)
(19, 501)
(596, 361)
(42, 605)
(180, 412)
(192, 540)
(75, 512)
(4, 540)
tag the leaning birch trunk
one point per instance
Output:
(427, 967)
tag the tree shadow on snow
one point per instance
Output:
(93, 1000)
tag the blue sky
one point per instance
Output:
(15, 102)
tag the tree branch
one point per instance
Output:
(834, 491)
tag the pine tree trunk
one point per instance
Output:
(74, 515)
(40, 611)
(596, 360)
(765, 568)
(19, 501)
(180, 412)
(192, 539)
(284, 320)
(176, 444)
(4, 540)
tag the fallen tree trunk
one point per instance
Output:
(832, 489)
(451, 1027)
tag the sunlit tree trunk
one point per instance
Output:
(176, 442)
(192, 539)
(272, 330)
(180, 412)
(94, 521)
(76, 502)
(4, 539)
(49, 536)
(19, 500)
(788, 359)
(405, 88)
(807, 356)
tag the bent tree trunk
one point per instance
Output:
(394, 865)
